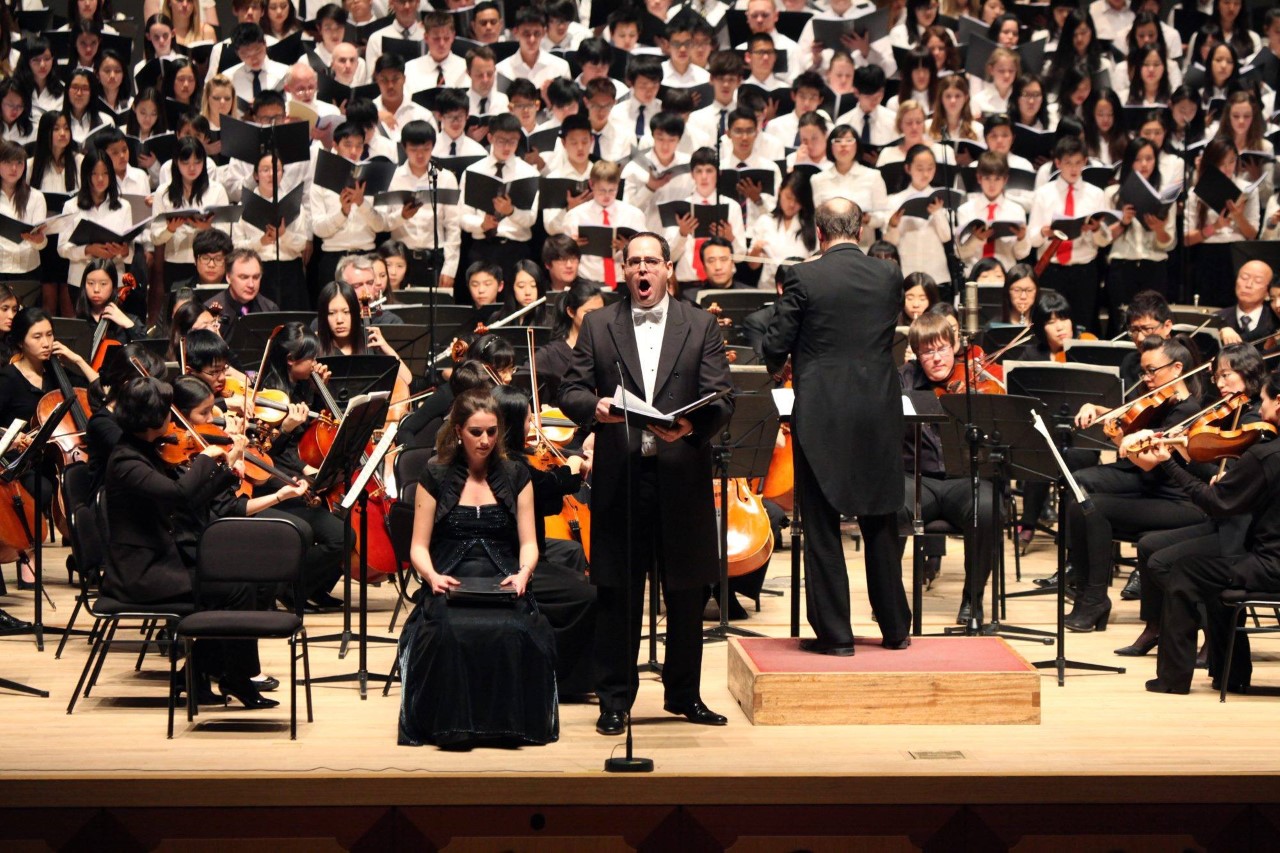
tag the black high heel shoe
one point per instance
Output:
(1089, 616)
(204, 693)
(244, 692)
(1140, 646)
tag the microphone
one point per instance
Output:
(971, 309)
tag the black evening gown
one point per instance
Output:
(470, 674)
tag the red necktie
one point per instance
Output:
(1064, 248)
(699, 271)
(610, 272)
(989, 248)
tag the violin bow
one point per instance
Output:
(252, 393)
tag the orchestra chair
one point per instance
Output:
(1240, 600)
(86, 547)
(259, 552)
(409, 466)
(108, 613)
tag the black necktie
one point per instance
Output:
(640, 122)
(453, 148)
(406, 32)
(439, 76)
(595, 146)
(723, 115)
(1245, 323)
(257, 84)
(497, 170)
(484, 105)
(865, 136)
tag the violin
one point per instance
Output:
(102, 345)
(1061, 355)
(1143, 413)
(184, 441)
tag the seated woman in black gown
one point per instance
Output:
(476, 675)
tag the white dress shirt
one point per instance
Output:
(494, 103)
(178, 244)
(546, 66)
(861, 184)
(272, 77)
(424, 73)
(692, 76)
(1050, 203)
(417, 233)
(22, 257)
(767, 201)
(1224, 229)
(919, 241)
(518, 226)
(118, 220)
(636, 188)
(683, 248)
(409, 111)
(373, 49)
(704, 124)
(621, 215)
(344, 232)
(1138, 242)
(779, 242)
(1007, 249)
(883, 130)
(554, 218)
(292, 242)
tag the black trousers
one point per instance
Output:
(233, 659)
(951, 500)
(826, 578)
(617, 637)
(1197, 581)
(1212, 274)
(1035, 494)
(1158, 551)
(1120, 504)
(1125, 278)
(322, 564)
(1079, 284)
(285, 284)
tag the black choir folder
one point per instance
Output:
(336, 173)
(640, 413)
(483, 189)
(261, 212)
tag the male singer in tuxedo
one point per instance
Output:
(670, 354)
(835, 320)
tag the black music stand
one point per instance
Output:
(31, 460)
(363, 416)
(744, 450)
(76, 335)
(518, 336)
(1008, 449)
(250, 334)
(353, 375)
(412, 343)
(1065, 480)
(1099, 353)
(1064, 388)
(447, 318)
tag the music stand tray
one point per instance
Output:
(448, 318)
(518, 337)
(75, 335)
(1064, 388)
(28, 292)
(1104, 353)
(364, 414)
(412, 343)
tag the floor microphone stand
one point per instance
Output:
(433, 182)
(629, 763)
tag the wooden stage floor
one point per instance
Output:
(1108, 759)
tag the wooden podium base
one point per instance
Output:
(937, 681)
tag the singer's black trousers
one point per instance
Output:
(1079, 284)
(618, 626)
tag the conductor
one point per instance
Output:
(835, 319)
(671, 354)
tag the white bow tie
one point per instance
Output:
(641, 316)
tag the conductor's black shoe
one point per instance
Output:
(818, 647)
(896, 645)
(325, 601)
(1133, 589)
(12, 625)
(696, 712)
(1155, 685)
(611, 722)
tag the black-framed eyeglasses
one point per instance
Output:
(1148, 374)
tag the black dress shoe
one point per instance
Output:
(896, 645)
(1133, 589)
(244, 691)
(818, 647)
(325, 601)
(1155, 685)
(697, 713)
(265, 683)
(12, 625)
(204, 693)
(1241, 687)
(1139, 647)
(611, 722)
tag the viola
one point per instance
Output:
(69, 436)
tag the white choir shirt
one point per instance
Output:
(883, 130)
(1224, 229)
(495, 102)
(919, 241)
(649, 337)
(546, 66)
(423, 73)
(86, 124)
(1050, 202)
(15, 135)
(272, 78)
(621, 215)
(1120, 79)
(418, 233)
(1007, 249)
(518, 226)
(573, 35)
(880, 51)
(45, 102)
(779, 242)
(360, 78)
(53, 181)
(463, 146)
(1110, 23)
(373, 49)
(1137, 242)
(703, 125)
(409, 111)
(635, 189)
(988, 101)
(692, 76)
(786, 128)
(784, 44)
(768, 200)
(628, 112)
(178, 244)
(339, 232)
(682, 248)
(22, 257)
(554, 219)
(1172, 40)
(861, 184)
(292, 242)
(119, 220)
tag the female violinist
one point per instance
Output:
(1238, 369)
(1125, 497)
(564, 595)
(340, 326)
(476, 675)
(575, 304)
(291, 361)
(156, 515)
(104, 432)
(98, 303)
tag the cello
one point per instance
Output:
(102, 345)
